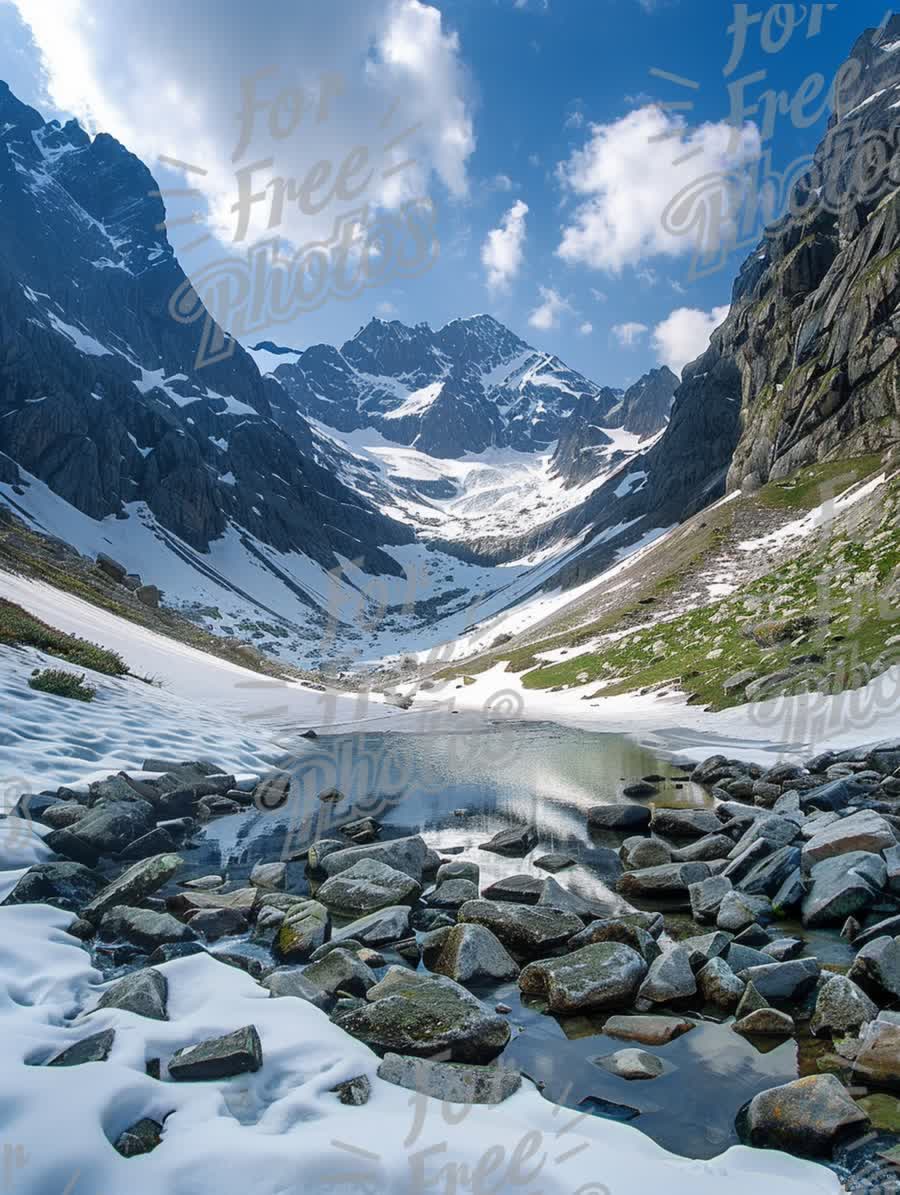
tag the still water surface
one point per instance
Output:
(459, 789)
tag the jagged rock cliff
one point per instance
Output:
(100, 394)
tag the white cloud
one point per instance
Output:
(684, 335)
(502, 251)
(166, 78)
(586, 328)
(627, 174)
(629, 334)
(548, 312)
(385, 308)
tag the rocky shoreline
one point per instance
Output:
(401, 947)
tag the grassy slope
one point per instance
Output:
(841, 580)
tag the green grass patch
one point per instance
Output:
(808, 488)
(18, 628)
(61, 684)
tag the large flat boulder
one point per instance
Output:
(365, 887)
(809, 1117)
(780, 983)
(529, 931)
(409, 855)
(684, 823)
(649, 1030)
(670, 879)
(605, 975)
(623, 817)
(144, 927)
(134, 884)
(377, 929)
(862, 831)
(426, 1016)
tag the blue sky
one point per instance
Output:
(544, 105)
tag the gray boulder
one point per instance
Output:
(767, 876)
(377, 929)
(95, 1048)
(649, 1030)
(632, 1064)
(808, 1117)
(67, 886)
(619, 817)
(135, 883)
(366, 886)
(618, 930)
(520, 889)
(706, 897)
(877, 1059)
(110, 828)
(704, 947)
(842, 885)
(841, 1008)
(290, 981)
(863, 831)
(738, 911)
(513, 843)
(427, 1016)
(528, 931)
(453, 1082)
(450, 894)
(640, 853)
(341, 971)
(719, 985)
(605, 975)
(670, 979)
(458, 869)
(142, 992)
(704, 850)
(684, 823)
(305, 927)
(145, 928)
(765, 1022)
(213, 924)
(671, 879)
(237, 1053)
(783, 982)
(409, 855)
(472, 954)
(876, 969)
(268, 875)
